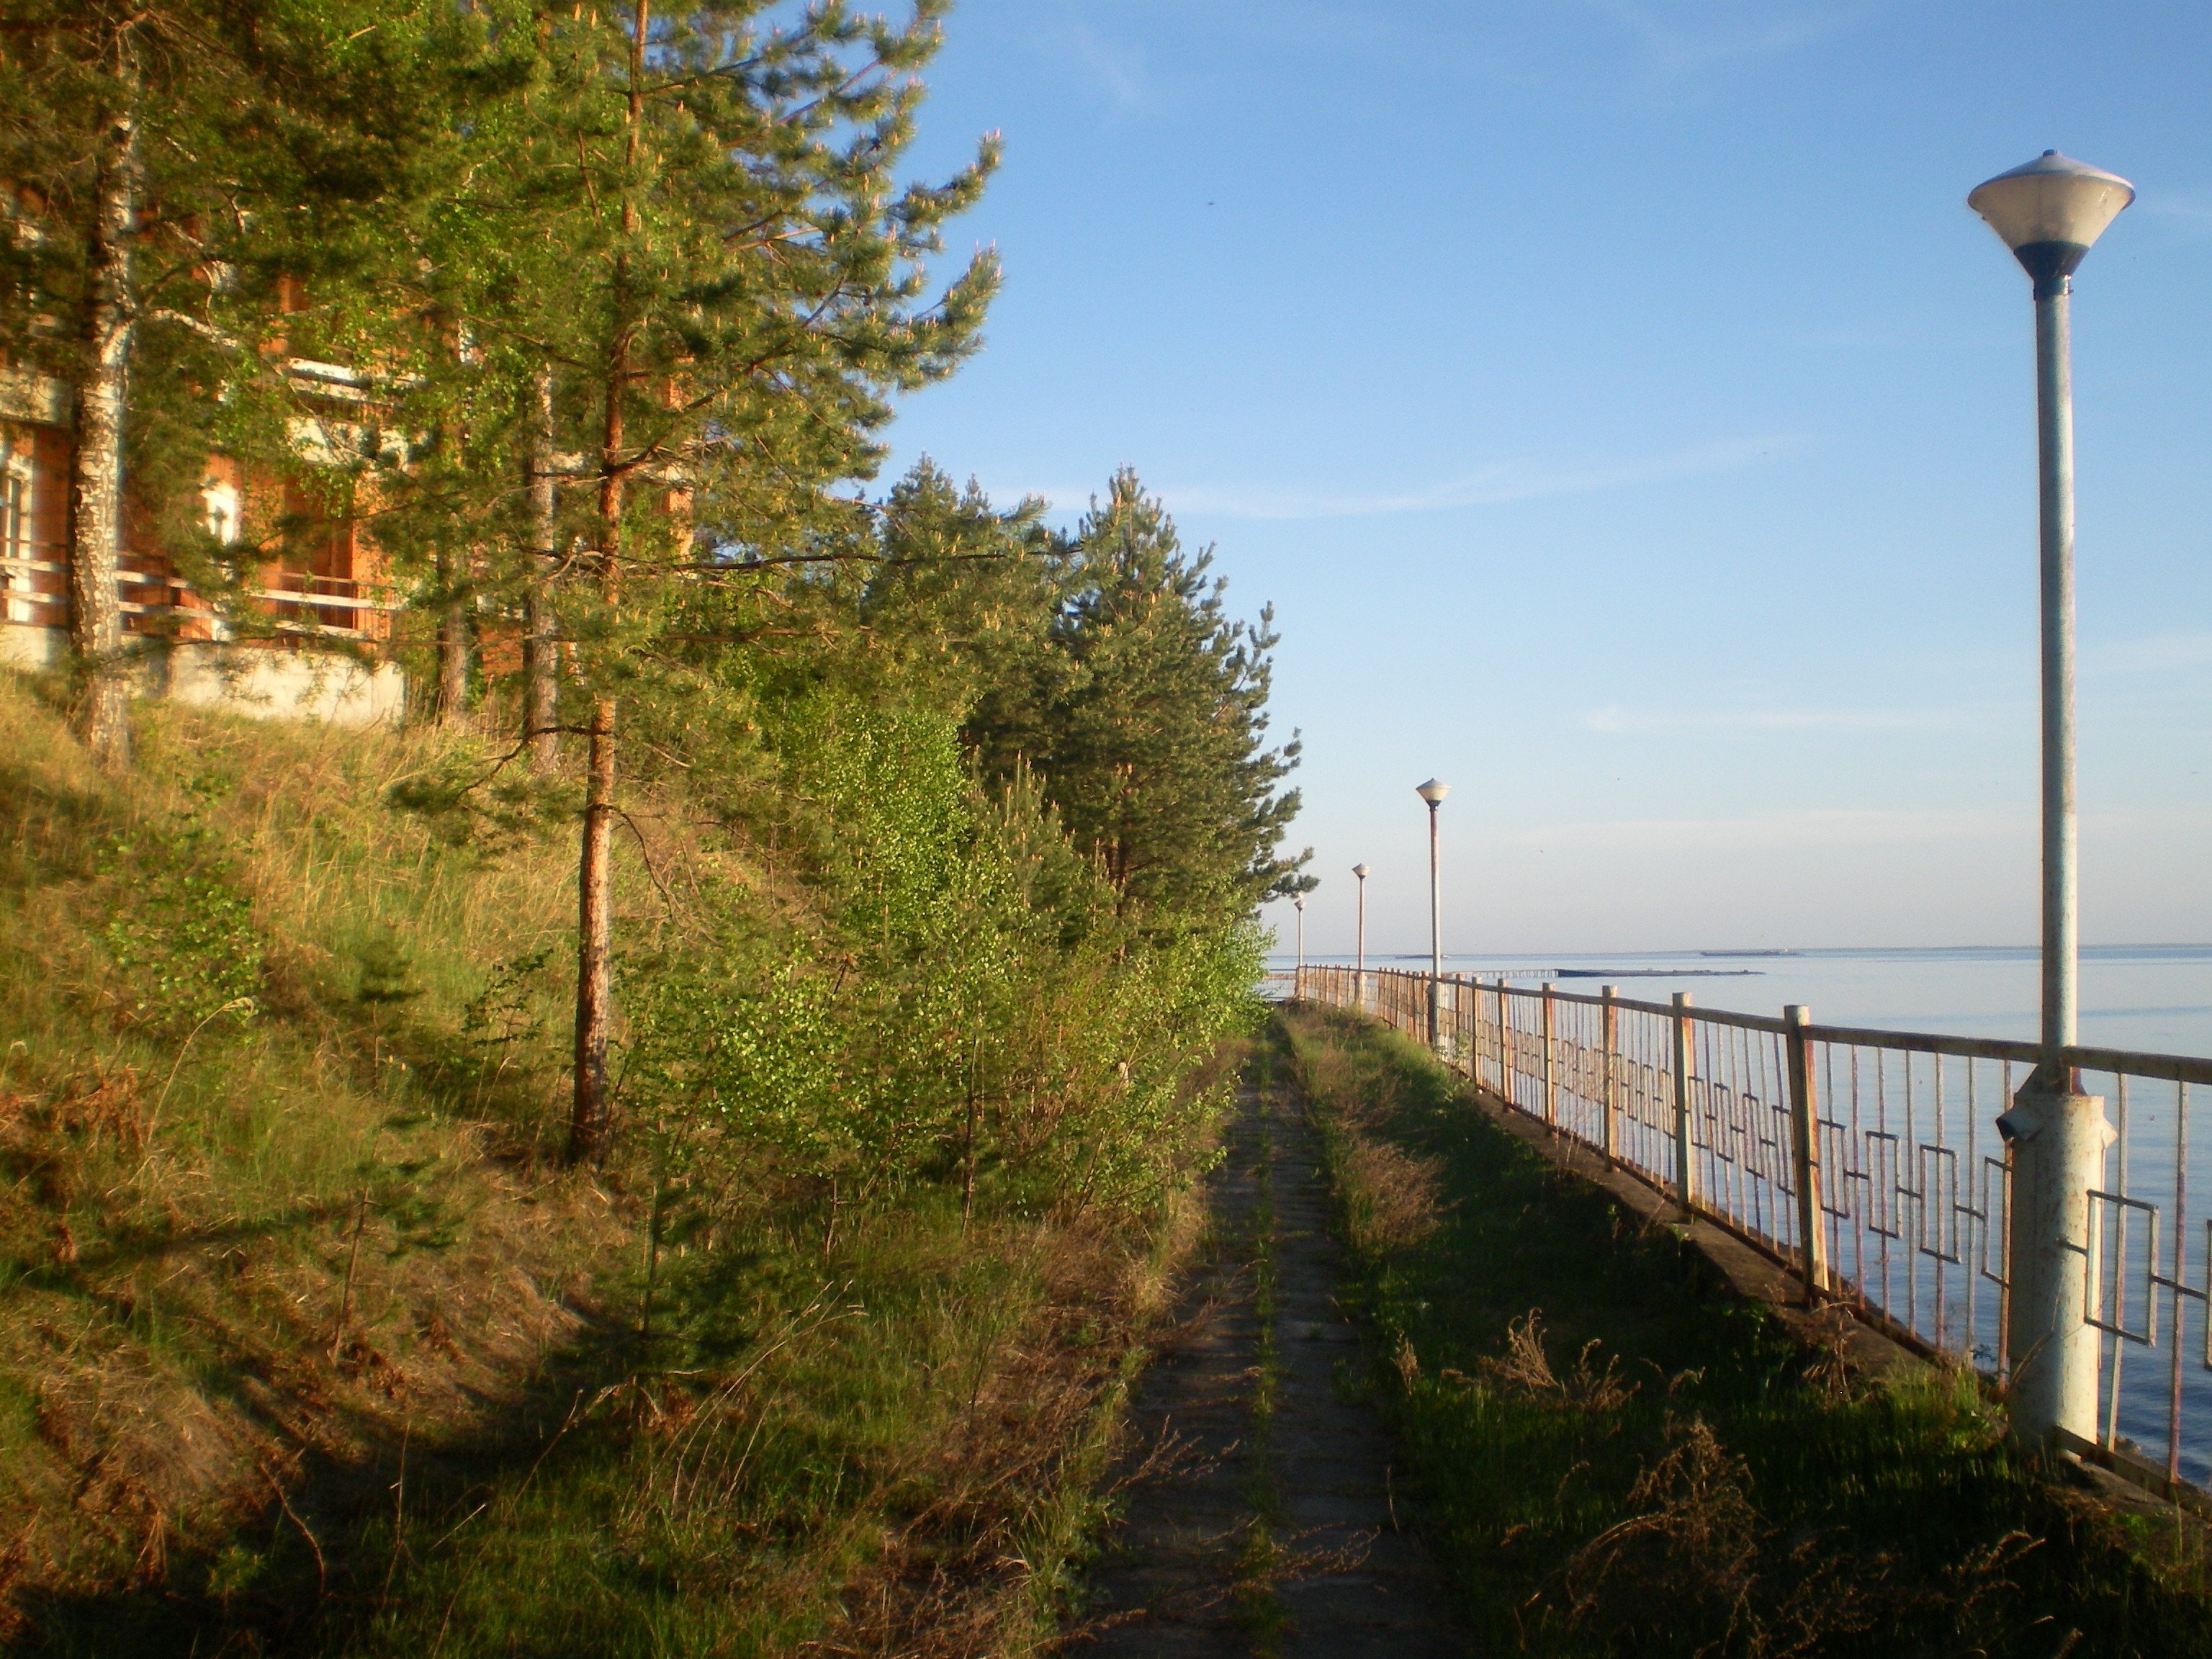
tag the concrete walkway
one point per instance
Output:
(1258, 1516)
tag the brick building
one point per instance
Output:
(325, 654)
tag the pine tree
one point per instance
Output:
(961, 608)
(693, 220)
(1146, 720)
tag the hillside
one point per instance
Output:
(310, 1341)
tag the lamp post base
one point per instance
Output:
(2058, 1142)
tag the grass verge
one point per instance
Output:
(308, 1344)
(1613, 1454)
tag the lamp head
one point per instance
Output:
(2049, 211)
(1360, 871)
(1299, 903)
(1433, 791)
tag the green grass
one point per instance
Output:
(308, 1344)
(805, 1425)
(1615, 1455)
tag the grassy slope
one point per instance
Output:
(1651, 1467)
(306, 1345)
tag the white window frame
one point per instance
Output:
(19, 483)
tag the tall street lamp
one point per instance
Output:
(1434, 791)
(2049, 213)
(1298, 980)
(1360, 972)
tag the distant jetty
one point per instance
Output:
(1664, 973)
(1747, 953)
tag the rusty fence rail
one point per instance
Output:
(1869, 1162)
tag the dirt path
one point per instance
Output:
(1259, 1517)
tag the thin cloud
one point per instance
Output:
(1645, 722)
(1117, 69)
(1834, 828)
(1816, 828)
(1682, 40)
(1490, 486)
(2190, 210)
(2155, 653)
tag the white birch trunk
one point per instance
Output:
(96, 468)
(540, 648)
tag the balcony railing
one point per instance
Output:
(35, 591)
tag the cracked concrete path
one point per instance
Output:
(1258, 1516)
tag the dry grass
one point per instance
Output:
(1391, 1199)
(979, 1566)
(1690, 1526)
(1526, 1366)
(306, 1343)
(191, 1128)
(1388, 1198)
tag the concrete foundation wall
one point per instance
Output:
(286, 684)
(264, 683)
(28, 647)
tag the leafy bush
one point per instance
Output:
(183, 940)
(976, 1009)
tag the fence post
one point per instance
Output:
(1551, 1078)
(1504, 1046)
(1684, 1190)
(1462, 1027)
(1612, 1080)
(1456, 1056)
(1805, 1152)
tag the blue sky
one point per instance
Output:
(1631, 425)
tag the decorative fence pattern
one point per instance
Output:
(1869, 1162)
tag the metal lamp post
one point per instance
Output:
(1359, 971)
(1434, 791)
(1298, 980)
(2048, 212)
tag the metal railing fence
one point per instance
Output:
(1868, 1161)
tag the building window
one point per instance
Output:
(19, 549)
(225, 518)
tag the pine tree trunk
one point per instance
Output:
(587, 1123)
(452, 640)
(541, 648)
(96, 468)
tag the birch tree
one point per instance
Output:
(74, 105)
(177, 167)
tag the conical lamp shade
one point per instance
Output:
(2050, 211)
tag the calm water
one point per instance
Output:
(2153, 999)
(2156, 998)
